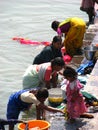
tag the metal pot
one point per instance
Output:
(90, 52)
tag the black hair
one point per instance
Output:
(42, 93)
(57, 39)
(58, 61)
(55, 25)
(70, 72)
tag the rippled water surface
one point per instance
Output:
(30, 19)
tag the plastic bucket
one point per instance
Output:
(43, 125)
(55, 97)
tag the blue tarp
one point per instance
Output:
(81, 69)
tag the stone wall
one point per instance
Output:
(90, 35)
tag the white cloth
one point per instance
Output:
(29, 98)
(33, 78)
(63, 88)
(42, 70)
(72, 84)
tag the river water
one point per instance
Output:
(30, 19)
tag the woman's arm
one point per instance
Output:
(40, 113)
(47, 84)
(54, 81)
(49, 108)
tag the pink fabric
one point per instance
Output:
(45, 71)
(48, 73)
(59, 32)
(75, 102)
(96, 6)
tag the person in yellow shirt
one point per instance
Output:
(73, 30)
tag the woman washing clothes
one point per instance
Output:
(73, 30)
(43, 74)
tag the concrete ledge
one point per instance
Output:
(77, 59)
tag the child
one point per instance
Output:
(75, 102)
(22, 100)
